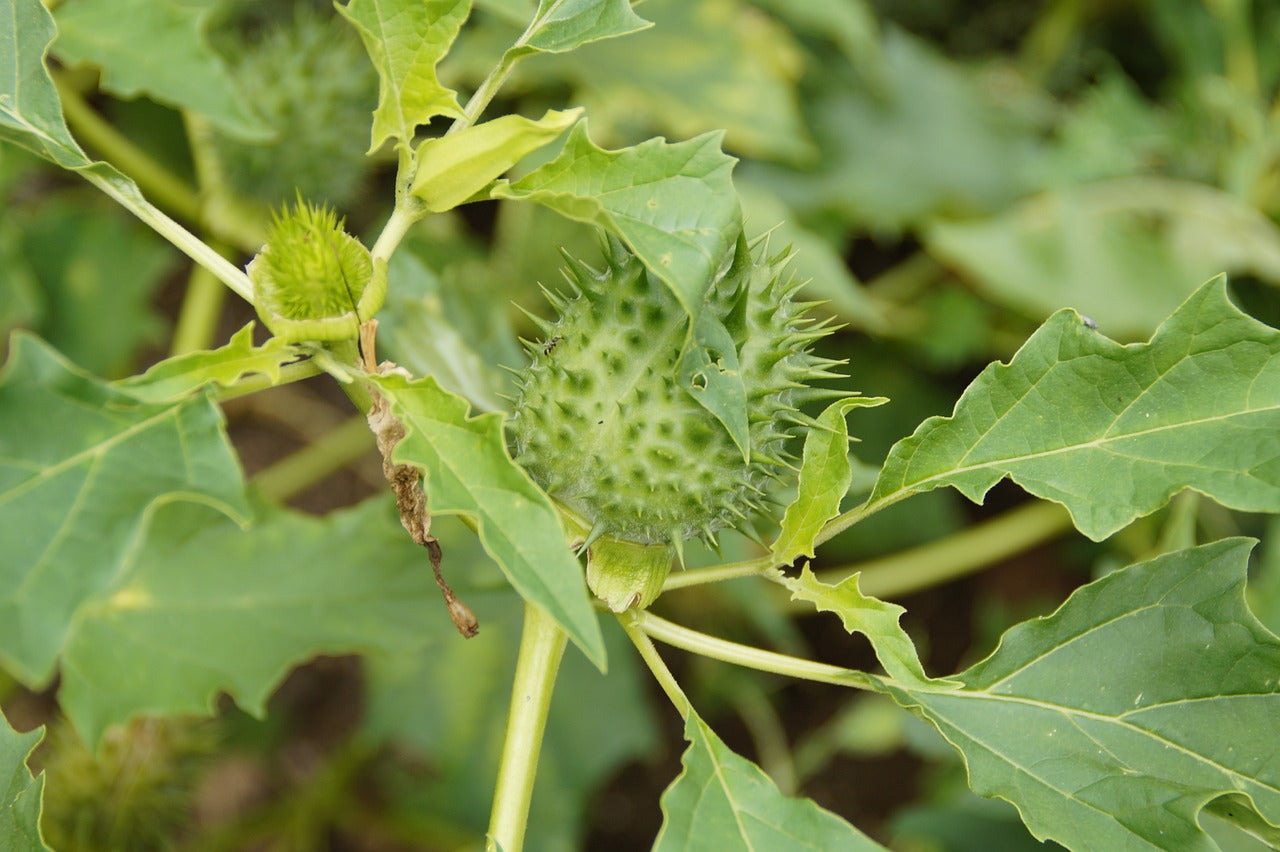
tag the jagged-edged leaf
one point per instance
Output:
(1112, 723)
(454, 167)
(1111, 431)
(562, 25)
(703, 65)
(156, 48)
(1125, 252)
(673, 204)
(873, 618)
(182, 375)
(825, 473)
(30, 113)
(20, 794)
(725, 802)
(406, 39)
(203, 606)
(467, 471)
(83, 467)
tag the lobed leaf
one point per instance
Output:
(725, 802)
(83, 466)
(21, 796)
(454, 167)
(1149, 695)
(203, 607)
(673, 204)
(563, 25)
(182, 375)
(156, 48)
(1111, 431)
(406, 39)
(825, 474)
(873, 618)
(467, 471)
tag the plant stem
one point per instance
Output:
(745, 655)
(629, 621)
(329, 453)
(956, 555)
(730, 571)
(541, 647)
(402, 218)
(198, 317)
(251, 384)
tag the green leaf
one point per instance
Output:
(1113, 722)
(156, 48)
(203, 607)
(180, 376)
(673, 204)
(20, 800)
(1125, 252)
(455, 167)
(563, 25)
(30, 113)
(709, 372)
(467, 471)
(1111, 431)
(825, 473)
(873, 618)
(406, 39)
(83, 467)
(723, 801)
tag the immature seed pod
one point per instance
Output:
(605, 426)
(313, 280)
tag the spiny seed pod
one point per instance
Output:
(605, 426)
(313, 280)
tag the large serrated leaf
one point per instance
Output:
(183, 375)
(83, 467)
(673, 204)
(467, 471)
(204, 607)
(1113, 431)
(825, 473)
(1114, 722)
(563, 25)
(724, 802)
(406, 39)
(156, 48)
(20, 794)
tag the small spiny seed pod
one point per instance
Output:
(604, 425)
(313, 280)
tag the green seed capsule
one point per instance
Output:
(603, 423)
(312, 280)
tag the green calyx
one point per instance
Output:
(312, 280)
(605, 424)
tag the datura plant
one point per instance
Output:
(680, 420)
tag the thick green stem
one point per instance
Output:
(198, 317)
(541, 647)
(745, 655)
